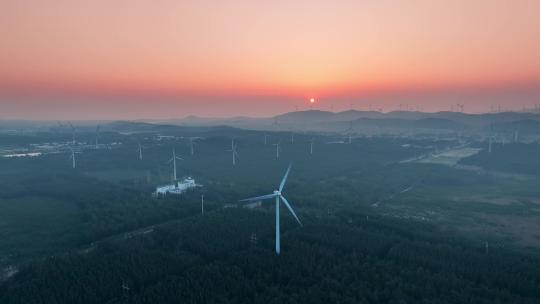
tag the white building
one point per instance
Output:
(178, 188)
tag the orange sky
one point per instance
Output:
(223, 58)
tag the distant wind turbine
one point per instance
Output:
(234, 152)
(173, 161)
(277, 149)
(311, 146)
(278, 196)
(349, 131)
(265, 139)
(140, 149)
(192, 145)
(72, 132)
(73, 159)
(97, 135)
(202, 204)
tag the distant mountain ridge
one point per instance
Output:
(317, 120)
(326, 121)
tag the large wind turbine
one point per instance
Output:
(173, 160)
(278, 196)
(233, 152)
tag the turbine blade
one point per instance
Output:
(170, 160)
(179, 158)
(284, 179)
(259, 198)
(290, 209)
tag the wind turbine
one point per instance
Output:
(173, 160)
(278, 196)
(233, 152)
(349, 131)
(277, 150)
(191, 145)
(311, 146)
(140, 148)
(292, 137)
(97, 135)
(265, 139)
(202, 204)
(72, 132)
(73, 160)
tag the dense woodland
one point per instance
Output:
(94, 234)
(345, 258)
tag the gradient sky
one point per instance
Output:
(63, 59)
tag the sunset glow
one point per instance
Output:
(133, 59)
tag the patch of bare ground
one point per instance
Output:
(496, 200)
(523, 231)
(499, 200)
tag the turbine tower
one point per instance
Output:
(202, 204)
(265, 139)
(311, 146)
(349, 131)
(277, 150)
(72, 133)
(233, 152)
(191, 146)
(97, 135)
(72, 157)
(140, 151)
(173, 160)
(278, 196)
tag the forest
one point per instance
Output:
(376, 230)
